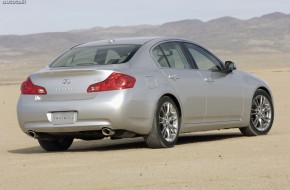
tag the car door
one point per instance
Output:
(224, 91)
(186, 82)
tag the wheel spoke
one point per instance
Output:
(256, 102)
(266, 120)
(167, 133)
(254, 112)
(162, 110)
(267, 108)
(261, 100)
(171, 127)
(260, 123)
(173, 118)
(255, 122)
(161, 120)
(167, 109)
(163, 132)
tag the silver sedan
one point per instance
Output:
(153, 87)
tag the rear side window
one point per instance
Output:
(170, 54)
(96, 55)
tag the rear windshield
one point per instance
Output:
(96, 55)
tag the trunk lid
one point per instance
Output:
(64, 84)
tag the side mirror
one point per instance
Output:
(230, 66)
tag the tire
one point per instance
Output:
(61, 144)
(166, 125)
(262, 115)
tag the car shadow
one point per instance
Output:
(126, 144)
(206, 137)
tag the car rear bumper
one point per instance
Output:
(113, 109)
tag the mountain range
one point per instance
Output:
(268, 33)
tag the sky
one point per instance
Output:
(36, 16)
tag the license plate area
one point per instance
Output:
(60, 118)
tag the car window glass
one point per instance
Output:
(82, 57)
(170, 54)
(112, 56)
(203, 59)
(96, 55)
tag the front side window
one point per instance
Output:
(170, 55)
(203, 59)
(96, 55)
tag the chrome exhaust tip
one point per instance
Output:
(32, 134)
(108, 132)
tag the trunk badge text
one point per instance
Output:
(66, 81)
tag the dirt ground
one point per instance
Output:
(212, 160)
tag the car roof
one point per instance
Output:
(130, 40)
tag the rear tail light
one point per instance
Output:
(27, 87)
(116, 81)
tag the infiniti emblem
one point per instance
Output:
(66, 81)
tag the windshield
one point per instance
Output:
(96, 55)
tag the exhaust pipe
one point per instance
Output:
(42, 136)
(108, 132)
(32, 134)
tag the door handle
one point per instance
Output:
(209, 80)
(173, 76)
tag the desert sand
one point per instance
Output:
(212, 160)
